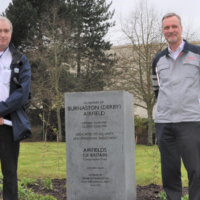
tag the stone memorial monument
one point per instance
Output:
(100, 141)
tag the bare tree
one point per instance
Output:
(189, 33)
(51, 53)
(142, 32)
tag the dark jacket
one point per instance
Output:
(19, 91)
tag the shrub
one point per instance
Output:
(141, 130)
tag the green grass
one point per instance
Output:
(31, 154)
(145, 165)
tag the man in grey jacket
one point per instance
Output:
(176, 83)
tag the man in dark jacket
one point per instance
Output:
(176, 83)
(15, 75)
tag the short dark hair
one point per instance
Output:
(172, 15)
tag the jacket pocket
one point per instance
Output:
(191, 68)
(163, 70)
(21, 125)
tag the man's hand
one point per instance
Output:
(28, 103)
(1, 121)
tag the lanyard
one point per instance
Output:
(3, 52)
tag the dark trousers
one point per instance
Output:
(176, 141)
(9, 152)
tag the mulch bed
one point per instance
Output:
(149, 192)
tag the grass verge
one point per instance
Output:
(30, 161)
(145, 166)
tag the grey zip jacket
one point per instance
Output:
(176, 84)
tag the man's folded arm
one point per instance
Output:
(20, 96)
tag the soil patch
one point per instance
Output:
(149, 192)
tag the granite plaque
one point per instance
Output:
(100, 141)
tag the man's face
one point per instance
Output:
(5, 35)
(172, 30)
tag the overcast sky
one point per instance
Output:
(186, 9)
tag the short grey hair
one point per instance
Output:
(6, 19)
(172, 15)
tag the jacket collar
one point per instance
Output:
(185, 48)
(16, 55)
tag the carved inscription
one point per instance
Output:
(90, 109)
(94, 128)
(95, 179)
(95, 154)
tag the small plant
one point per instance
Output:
(47, 197)
(186, 197)
(1, 187)
(40, 197)
(1, 178)
(163, 196)
(47, 184)
(23, 193)
(27, 182)
(44, 150)
(28, 194)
